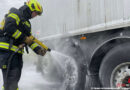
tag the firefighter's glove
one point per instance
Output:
(21, 46)
(42, 51)
(28, 40)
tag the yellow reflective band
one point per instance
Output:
(34, 45)
(31, 31)
(4, 66)
(13, 48)
(17, 34)
(3, 88)
(2, 24)
(21, 51)
(15, 16)
(27, 23)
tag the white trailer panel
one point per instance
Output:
(74, 17)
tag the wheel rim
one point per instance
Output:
(120, 77)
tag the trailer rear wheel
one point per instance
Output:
(115, 68)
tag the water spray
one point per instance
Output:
(69, 65)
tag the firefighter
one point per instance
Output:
(15, 30)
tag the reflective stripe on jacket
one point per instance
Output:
(17, 28)
(14, 48)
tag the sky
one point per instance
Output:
(5, 5)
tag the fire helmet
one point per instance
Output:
(34, 5)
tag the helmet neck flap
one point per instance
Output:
(26, 12)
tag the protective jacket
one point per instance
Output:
(14, 28)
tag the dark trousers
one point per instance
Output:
(11, 80)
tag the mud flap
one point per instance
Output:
(92, 81)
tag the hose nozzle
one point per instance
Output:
(40, 43)
(49, 49)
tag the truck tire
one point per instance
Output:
(115, 67)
